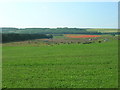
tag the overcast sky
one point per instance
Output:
(59, 14)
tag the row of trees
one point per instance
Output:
(21, 37)
(44, 30)
(52, 31)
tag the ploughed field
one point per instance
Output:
(61, 63)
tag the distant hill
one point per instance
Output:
(43, 30)
(57, 30)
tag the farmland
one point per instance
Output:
(82, 36)
(61, 62)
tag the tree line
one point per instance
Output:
(53, 31)
(10, 37)
(44, 30)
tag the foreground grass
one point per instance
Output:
(61, 66)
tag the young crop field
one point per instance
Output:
(35, 64)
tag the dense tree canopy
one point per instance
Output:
(21, 37)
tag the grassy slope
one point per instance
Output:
(77, 66)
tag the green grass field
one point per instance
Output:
(61, 66)
(103, 30)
